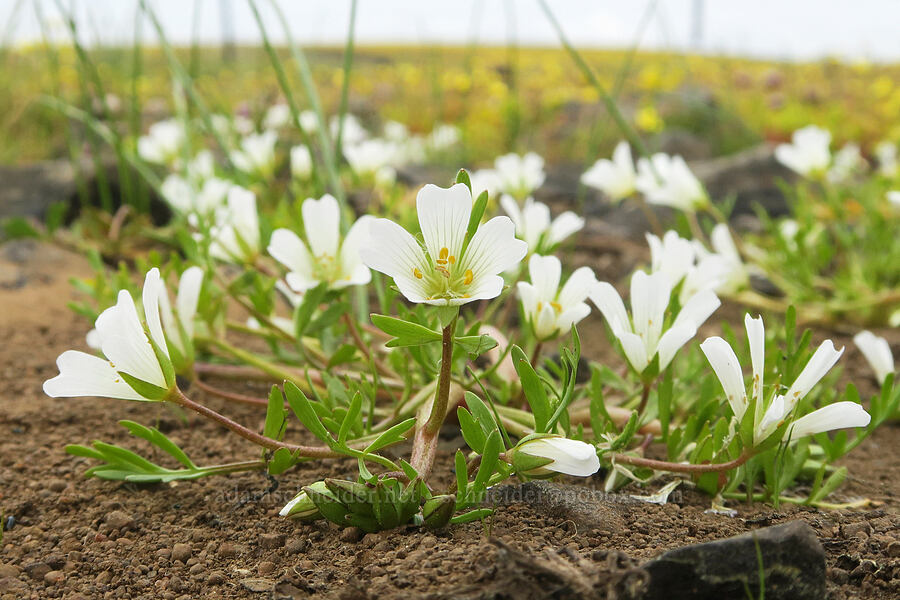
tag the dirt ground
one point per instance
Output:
(222, 538)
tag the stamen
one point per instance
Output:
(469, 277)
(444, 253)
(556, 306)
(452, 259)
(417, 273)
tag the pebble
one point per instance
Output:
(54, 577)
(271, 540)
(181, 552)
(893, 550)
(175, 584)
(57, 485)
(216, 578)
(296, 546)
(197, 568)
(118, 519)
(37, 570)
(351, 534)
(266, 568)
(9, 571)
(851, 529)
(258, 585)
(227, 550)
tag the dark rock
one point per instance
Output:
(181, 552)
(587, 508)
(793, 565)
(37, 570)
(118, 519)
(254, 584)
(28, 190)
(271, 540)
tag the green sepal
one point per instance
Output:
(478, 208)
(446, 315)
(387, 492)
(462, 176)
(165, 363)
(147, 390)
(330, 507)
(438, 511)
(367, 524)
(357, 497)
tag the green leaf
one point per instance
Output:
(406, 333)
(344, 354)
(160, 440)
(304, 312)
(475, 345)
(394, 435)
(281, 461)
(534, 390)
(482, 414)
(304, 411)
(275, 415)
(471, 431)
(462, 475)
(327, 318)
(627, 433)
(351, 418)
(832, 483)
(488, 465)
(55, 215)
(472, 515)
(664, 403)
(17, 228)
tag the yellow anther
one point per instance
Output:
(417, 273)
(556, 306)
(441, 261)
(469, 277)
(452, 259)
(444, 253)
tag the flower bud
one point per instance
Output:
(438, 511)
(301, 507)
(543, 455)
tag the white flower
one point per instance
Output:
(808, 154)
(551, 310)
(327, 258)
(278, 116)
(353, 132)
(847, 162)
(127, 349)
(723, 267)
(368, 156)
(444, 273)
(256, 153)
(672, 255)
(187, 200)
(533, 224)
(616, 177)
(570, 457)
(201, 167)
(642, 336)
(443, 136)
(309, 122)
(877, 352)
(484, 180)
(668, 181)
(396, 132)
(243, 125)
(235, 236)
(886, 153)
(163, 142)
(179, 326)
(519, 175)
(727, 368)
(894, 198)
(301, 162)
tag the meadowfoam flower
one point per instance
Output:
(179, 325)
(201, 167)
(301, 162)
(309, 122)
(235, 236)
(484, 180)
(667, 180)
(373, 156)
(548, 454)
(723, 266)
(894, 198)
(642, 336)
(519, 175)
(672, 255)
(353, 131)
(278, 116)
(808, 153)
(186, 199)
(886, 153)
(327, 258)
(163, 142)
(847, 162)
(396, 131)
(442, 137)
(767, 420)
(877, 353)
(256, 153)
(447, 271)
(136, 364)
(550, 310)
(533, 224)
(616, 177)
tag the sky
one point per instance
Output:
(778, 29)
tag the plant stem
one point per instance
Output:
(536, 354)
(442, 396)
(180, 399)
(661, 465)
(645, 395)
(272, 369)
(242, 398)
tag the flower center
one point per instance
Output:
(447, 278)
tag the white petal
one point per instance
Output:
(321, 221)
(672, 341)
(82, 374)
(529, 296)
(287, 248)
(545, 272)
(756, 336)
(577, 288)
(649, 299)
(771, 419)
(698, 309)
(393, 251)
(563, 226)
(725, 363)
(545, 322)
(839, 415)
(494, 248)
(352, 268)
(511, 208)
(572, 316)
(188, 295)
(154, 288)
(134, 356)
(877, 353)
(570, 457)
(821, 362)
(634, 348)
(608, 300)
(443, 217)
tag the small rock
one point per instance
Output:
(588, 509)
(351, 535)
(893, 550)
(54, 577)
(181, 552)
(196, 569)
(793, 564)
(254, 584)
(271, 540)
(227, 550)
(296, 546)
(10, 584)
(266, 567)
(175, 584)
(216, 578)
(851, 529)
(57, 485)
(9, 571)
(37, 570)
(118, 519)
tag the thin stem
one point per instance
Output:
(536, 354)
(661, 465)
(345, 84)
(442, 396)
(272, 369)
(234, 396)
(179, 398)
(237, 467)
(645, 395)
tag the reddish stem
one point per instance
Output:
(661, 465)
